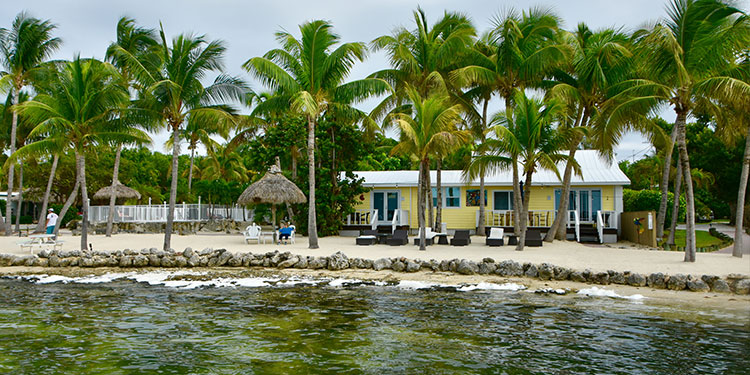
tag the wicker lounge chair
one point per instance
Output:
(367, 237)
(399, 237)
(429, 237)
(496, 237)
(461, 238)
(533, 238)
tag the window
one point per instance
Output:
(472, 198)
(503, 200)
(453, 197)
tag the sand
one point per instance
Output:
(619, 257)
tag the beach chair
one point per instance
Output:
(533, 238)
(367, 237)
(461, 238)
(252, 233)
(495, 238)
(400, 237)
(429, 237)
(294, 232)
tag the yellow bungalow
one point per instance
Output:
(596, 200)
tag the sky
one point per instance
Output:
(247, 28)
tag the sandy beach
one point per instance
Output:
(619, 257)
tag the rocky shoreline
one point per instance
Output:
(189, 258)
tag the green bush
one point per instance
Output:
(648, 200)
(70, 215)
(25, 219)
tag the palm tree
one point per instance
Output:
(23, 49)
(79, 110)
(432, 131)
(600, 59)
(684, 58)
(526, 50)
(307, 76)
(171, 93)
(526, 135)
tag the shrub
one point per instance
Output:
(648, 200)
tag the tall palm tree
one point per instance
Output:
(307, 76)
(79, 109)
(527, 136)
(527, 50)
(171, 93)
(431, 131)
(600, 59)
(684, 58)
(23, 48)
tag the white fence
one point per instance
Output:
(158, 213)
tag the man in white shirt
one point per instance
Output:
(51, 221)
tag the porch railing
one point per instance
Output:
(158, 213)
(575, 220)
(363, 217)
(600, 226)
(504, 218)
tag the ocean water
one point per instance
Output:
(183, 323)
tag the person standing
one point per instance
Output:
(51, 221)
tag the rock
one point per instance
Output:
(577, 276)
(180, 261)
(546, 271)
(488, 260)
(100, 261)
(41, 262)
(113, 261)
(561, 273)
(486, 268)
(509, 268)
(636, 279)
(21, 260)
(301, 263)
(444, 265)
(126, 261)
(697, 285)
(54, 261)
(289, 262)
(188, 252)
(742, 286)
(44, 253)
(130, 252)
(616, 277)
(412, 266)
(381, 264)
(317, 263)
(587, 274)
(140, 261)
(87, 262)
(194, 260)
(206, 251)
(677, 282)
(657, 280)
(398, 266)
(338, 261)
(167, 261)
(224, 258)
(467, 267)
(531, 270)
(600, 278)
(154, 260)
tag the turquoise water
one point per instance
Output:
(127, 327)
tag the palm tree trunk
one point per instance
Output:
(84, 202)
(664, 186)
(516, 198)
(740, 220)
(20, 197)
(558, 229)
(689, 197)
(11, 168)
(676, 203)
(423, 170)
(173, 188)
(45, 201)
(67, 205)
(438, 186)
(190, 171)
(481, 224)
(524, 212)
(428, 192)
(312, 225)
(115, 179)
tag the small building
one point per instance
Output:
(594, 209)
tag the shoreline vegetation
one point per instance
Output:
(729, 289)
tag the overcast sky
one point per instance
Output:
(247, 27)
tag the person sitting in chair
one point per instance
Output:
(284, 232)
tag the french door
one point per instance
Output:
(386, 202)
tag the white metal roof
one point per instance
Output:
(596, 171)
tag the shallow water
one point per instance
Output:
(272, 326)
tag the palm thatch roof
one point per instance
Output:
(121, 191)
(273, 188)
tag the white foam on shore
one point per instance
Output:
(491, 286)
(597, 292)
(340, 282)
(49, 279)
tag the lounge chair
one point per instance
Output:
(461, 238)
(496, 237)
(252, 233)
(367, 237)
(429, 237)
(399, 237)
(533, 238)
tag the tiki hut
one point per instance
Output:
(121, 191)
(272, 188)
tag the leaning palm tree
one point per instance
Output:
(684, 58)
(79, 109)
(526, 50)
(307, 76)
(430, 132)
(23, 48)
(171, 93)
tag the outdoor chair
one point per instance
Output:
(400, 237)
(367, 237)
(291, 236)
(252, 233)
(461, 238)
(429, 237)
(496, 237)
(533, 238)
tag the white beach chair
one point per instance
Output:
(252, 232)
(496, 237)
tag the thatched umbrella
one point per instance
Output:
(273, 188)
(121, 191)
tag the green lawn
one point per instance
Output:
(702, 237)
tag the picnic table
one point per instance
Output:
(40, 241)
